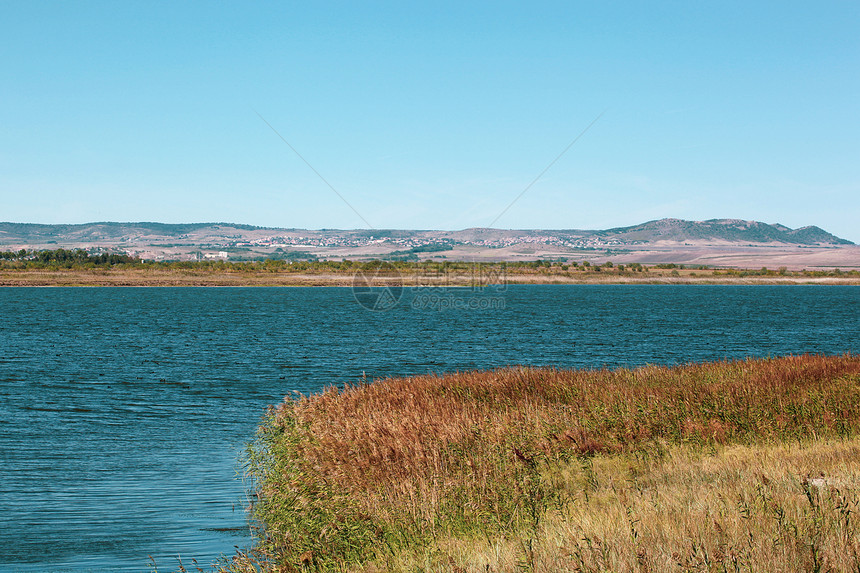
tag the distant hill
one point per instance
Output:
(674, 230)
(35, 232)
(663, 240)
(727, 230)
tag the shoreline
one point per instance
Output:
(177, 278)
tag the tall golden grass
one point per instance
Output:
(367, 474)
(769, 508)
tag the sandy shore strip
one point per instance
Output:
(172, 277)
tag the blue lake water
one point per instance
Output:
(123, 410)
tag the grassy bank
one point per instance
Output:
(749, 465)
(341, 273)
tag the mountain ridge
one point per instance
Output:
(721, 242)
(667, 229)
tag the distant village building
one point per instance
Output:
(219, 255)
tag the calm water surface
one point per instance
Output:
(123, 410)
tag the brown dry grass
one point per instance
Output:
(397, 470)
(784, 508)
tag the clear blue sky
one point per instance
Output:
(434, 116)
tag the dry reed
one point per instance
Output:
(406, 466)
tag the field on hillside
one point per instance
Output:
(731, 466)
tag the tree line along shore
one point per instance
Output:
(79, 268)
(748, 465)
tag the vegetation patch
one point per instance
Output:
(545, 469)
